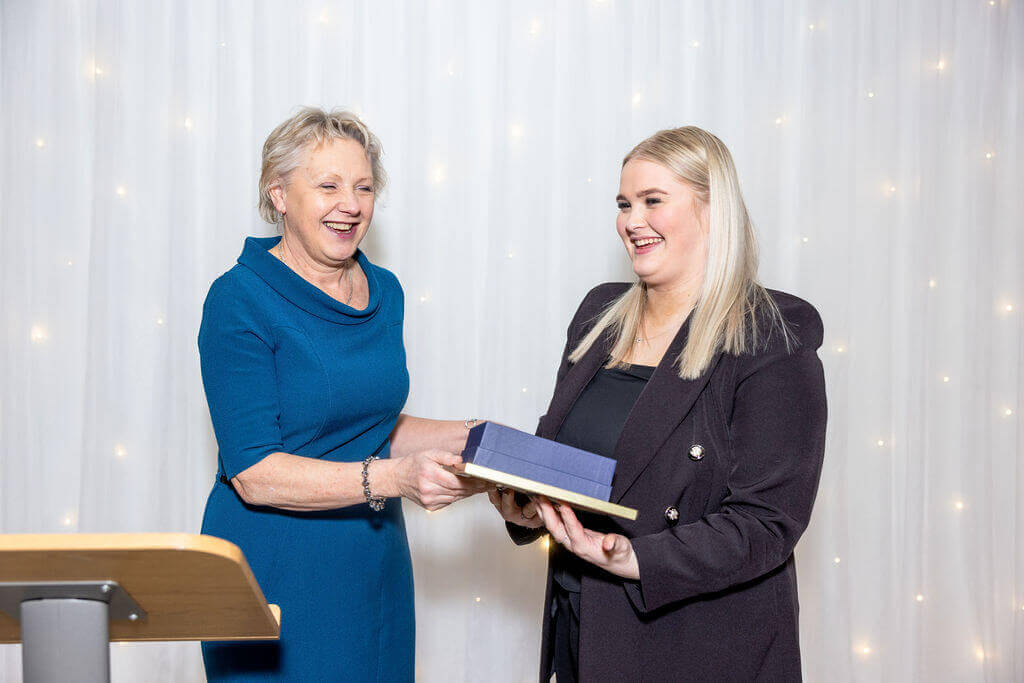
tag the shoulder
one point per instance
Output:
(233, 302)
(596, 301)
(801, 319)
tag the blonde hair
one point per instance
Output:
(731, 303)
(283, 150)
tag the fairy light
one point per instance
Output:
(451, 68)
(979, 653)
(890, 189)
(989, 155)
(40, 143)
(324, 17)
(120, 451)
(223, 43)
(476, 599)
(1007, 412)
(70, 263)
(69, 520)
(695, 44)
(932, 283)
(187, 123)
(535, 27)
(940, 65)
(590, 180)
(959, 505)
(839, 348)
(919, 598)
(638, 98)
(1008, 308)
(424, 298)
(38, 334)
(836, 560)
(880, 443)
(511, 254)
(438, 174)
(805, 239)
(121, 191)
(945, 379)
(778, 120)
(524, 390)
(871, 94)
(159, 320)
(810, 27)
(515, 131)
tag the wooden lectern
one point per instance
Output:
(66, 596)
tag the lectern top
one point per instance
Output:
(192, 587)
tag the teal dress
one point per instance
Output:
(287, 368)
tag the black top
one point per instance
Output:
(594, 424)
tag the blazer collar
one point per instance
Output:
(662, 405)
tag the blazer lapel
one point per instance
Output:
(572, 385)
(661, 407)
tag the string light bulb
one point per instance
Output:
(940, 65)
(324, 18)
(159, 320)
(871, 94)
(1007, 412)
(919, 598)
(945, 379)
(535, 27)
(880, 443)
(810, 27)
(68, 520)
(932, 283)
(40, 143)
(121, 191)
(476, 599)
(836, 560)
(778, 120)
(1008, 308)
(695, 43)
(979, 653)
(187, 123)
(959, 505)
(438, 174)
(638, 98)
(120, 451)
(515, 131)
(989, 155)
(38, 334)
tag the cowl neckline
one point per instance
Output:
(256, 257)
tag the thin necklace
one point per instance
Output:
(348, 273)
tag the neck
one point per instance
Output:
(666, 304)
(321, 275)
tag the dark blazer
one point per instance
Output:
(717, 597)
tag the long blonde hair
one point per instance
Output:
(731, 302)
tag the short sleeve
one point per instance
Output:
(239, 378)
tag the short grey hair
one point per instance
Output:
(283, 150)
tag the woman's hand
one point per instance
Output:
(424, 479)
(504, 500)
(611, 552)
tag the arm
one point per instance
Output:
(239, 376)
(778, 433)
(413, 434)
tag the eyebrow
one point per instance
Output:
(643, 193)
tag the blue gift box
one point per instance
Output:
(548, 462)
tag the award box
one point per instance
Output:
(534, 465)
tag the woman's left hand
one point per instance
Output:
(611, 552)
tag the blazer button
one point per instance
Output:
(696, 452)
(671, 515)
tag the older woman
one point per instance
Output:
(707, 389)
(305, 376)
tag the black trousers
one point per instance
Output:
(565, 623)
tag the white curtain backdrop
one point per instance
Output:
(879, 145)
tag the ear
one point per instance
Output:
(277, 195)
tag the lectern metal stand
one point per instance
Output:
(66, 596)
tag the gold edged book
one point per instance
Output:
(524, 485)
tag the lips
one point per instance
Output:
(642, 245)
(339, 228)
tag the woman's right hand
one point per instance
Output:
(504, 500)
(424, 479)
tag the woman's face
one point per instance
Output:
(327, 201)
(662, 224)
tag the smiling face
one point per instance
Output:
(662, 224)
(327, 202)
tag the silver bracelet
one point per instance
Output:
(471, 422)
(376, 504)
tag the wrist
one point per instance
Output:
(383, 479)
